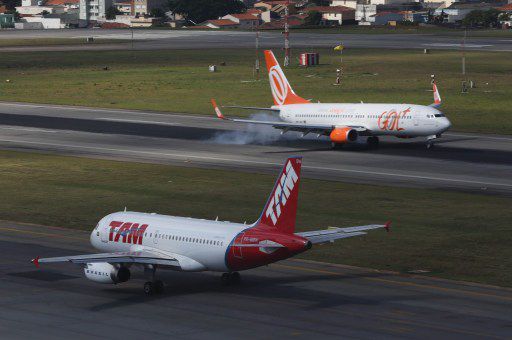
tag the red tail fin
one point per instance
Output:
(281, 209)
(281, 90)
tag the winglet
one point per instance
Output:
(217, 110)
(437, 97)
(36, 262)
(387, 226)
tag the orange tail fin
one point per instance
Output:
(282, 92)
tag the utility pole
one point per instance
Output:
(287, 35)
(464, 53)
(257, 62)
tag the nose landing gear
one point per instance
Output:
(230, 278)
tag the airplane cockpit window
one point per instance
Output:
(440, 115)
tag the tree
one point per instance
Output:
(11, 4)
(202, 10)
(111, 13)
(157, 13)
(313, 18)
(478, 18)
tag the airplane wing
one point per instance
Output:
(332, 234)
(142, 257)
(320, 129)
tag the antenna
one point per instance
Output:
(124, 209)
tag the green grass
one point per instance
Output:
(179, 81)
(453, 235)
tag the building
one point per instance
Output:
(364, 14)
(220, 23)
(344, 3)
(244, 20)
(384, 18)
(6, 20)
(124, 7)
(144, 7)
(94, 10)
(333, 15)
(458, 11)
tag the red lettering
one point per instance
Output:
(125, 228)
(113, 225)
(139, 234)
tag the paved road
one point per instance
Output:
(294, 298)
(462, 162)
(166, 39)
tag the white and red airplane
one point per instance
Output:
(345, 123)
(151, 241)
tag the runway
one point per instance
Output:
(294, 298)
(151, 39)
(461, 162)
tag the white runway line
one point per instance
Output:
(456, 45)
(221, 159)
(17, 128)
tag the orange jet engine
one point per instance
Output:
(343, 135)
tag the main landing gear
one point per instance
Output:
(230, 278)
(153, 286)
(372, 142)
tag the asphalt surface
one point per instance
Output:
(182, 39)
(293, 298)
(460, 162)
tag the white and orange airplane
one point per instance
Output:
(345, 123)
(151, 241)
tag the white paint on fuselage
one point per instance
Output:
(413, 121)
(203, 241)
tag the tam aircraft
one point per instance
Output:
(150, 241)
(346, 123)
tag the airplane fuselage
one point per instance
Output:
(197, 244)
(402, 120)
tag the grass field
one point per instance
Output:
(453, 235)
(179, 81)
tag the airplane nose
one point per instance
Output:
(447, 124)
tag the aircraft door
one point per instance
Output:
(104, 231)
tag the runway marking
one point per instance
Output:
(400, 283)
(104, 110)
(137, 121)
(208, 158)
(27, 129)
(456, 45)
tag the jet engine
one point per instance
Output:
(343, 135)
(106, 273)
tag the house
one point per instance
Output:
(333, 14)
(244, 20)
(220, 23)
(261, 14)
(293, 21)
(67, 4)
(384, 18)
(458, 11)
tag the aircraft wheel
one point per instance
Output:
(158, 286)
(225, 279)
(430, 145)
(373, 142)
(149, 288)
(235, 277)
(336, 146)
